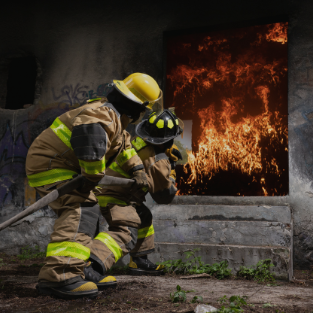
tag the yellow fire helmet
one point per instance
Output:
(142, 89)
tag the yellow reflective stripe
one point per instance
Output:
(61, 130)
(160, 124)
(125, 156)
(177, 122)
(145, 232)
(170, 124)
(104, 200)
(111, 244)
(68, 249)
(116, 168)
(93, 167)
(152, 119)
(49, 177)
(92, 100)
(139, 143)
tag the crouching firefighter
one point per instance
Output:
(85, 140)
(129, 220)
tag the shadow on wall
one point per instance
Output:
(19, 128)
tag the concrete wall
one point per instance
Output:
(82, 46)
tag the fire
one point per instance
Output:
(233, 145)
(278, 33)
(230, 137)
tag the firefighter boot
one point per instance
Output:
(74, 290)
(102, 281)
(142, 266)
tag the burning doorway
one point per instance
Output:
(232, 86)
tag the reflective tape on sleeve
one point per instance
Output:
(116, 168)
(68, 249)
(104, 200)
(61, 130)
(145, 232)
(93, 167)
(49, 177)
(138, 143)
(125, 155)
(111, 244)
(92, 100)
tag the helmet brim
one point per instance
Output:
(140, 132)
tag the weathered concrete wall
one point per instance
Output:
(81, 46)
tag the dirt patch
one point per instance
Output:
(149, 294)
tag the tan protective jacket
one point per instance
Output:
(81, 140)
(160, 177)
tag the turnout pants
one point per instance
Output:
(130, 231)
(71, 239)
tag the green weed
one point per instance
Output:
(234, 304)
(261, 272)
(1, 263)
(29, 253)
(197, 299)
(194, 265)
(179, 295)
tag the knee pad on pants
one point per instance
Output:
(89, 219)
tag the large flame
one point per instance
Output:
(231, 137)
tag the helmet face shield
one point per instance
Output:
(157, 105)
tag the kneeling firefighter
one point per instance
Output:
(125, 210)
(85, 140)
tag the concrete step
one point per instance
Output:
(240, 234)
(223, 232)
(235, 255)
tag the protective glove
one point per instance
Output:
(87, 185)
(174, 155)
(141, 180)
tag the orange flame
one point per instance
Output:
(227, 142)
(278, 33)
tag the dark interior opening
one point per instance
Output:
(21, 82)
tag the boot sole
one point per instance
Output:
(141, 272)
(66, 295)
(106, 285)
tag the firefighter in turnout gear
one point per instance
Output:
(124, 210)
(86, 140)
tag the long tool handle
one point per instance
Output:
(75, 183)
(31, 209)
(108, 181)
(53, 195)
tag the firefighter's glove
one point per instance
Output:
(141, 180)
(87, 185)
(174, 155)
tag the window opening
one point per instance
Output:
(230, 88)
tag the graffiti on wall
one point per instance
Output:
(78, 94)
(13, 151)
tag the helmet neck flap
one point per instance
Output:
(125, 105)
